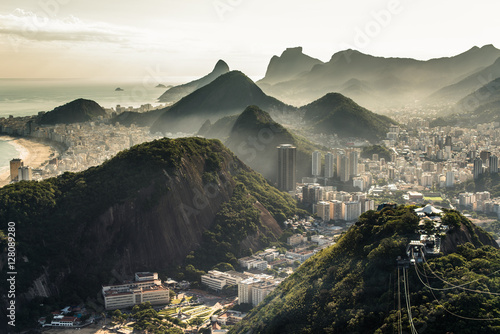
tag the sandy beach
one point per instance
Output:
(34, 154)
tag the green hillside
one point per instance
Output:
(352, 287)
(337, 114)
(76, 111)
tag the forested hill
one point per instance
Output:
(352, 287)
(146, 209)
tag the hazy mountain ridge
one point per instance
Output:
(218, 130)
(77, 111)
(254, 137)
(290, 64)
(176, 93)
(227, 95)
(387, 81)
(467, 85)
(480, 106)
(350, 287)
(337, 114)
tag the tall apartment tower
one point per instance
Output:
(493, 164)
(450, 179)
(15, 164)
(344, 168)
(329, 171)
(287, 165)
(353, 163)
(316, 163)
(478, 167)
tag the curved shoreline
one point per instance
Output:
(33, 153)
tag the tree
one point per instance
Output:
(223, 266)
(171, 294)
(196, 322)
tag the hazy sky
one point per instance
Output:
(168, 38)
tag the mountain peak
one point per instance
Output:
(292, 51)
(482, 49)
(176, 93)
(336, 113)
(255, 115)
(221, 66)
(290, 64)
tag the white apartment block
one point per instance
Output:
(253, 263)
(253, 290)
(146, 288)
(216, 280)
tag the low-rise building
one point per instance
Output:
(217, 280)
(146, 288)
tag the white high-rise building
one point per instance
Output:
(352, 210)
(493, 164)
(329, 171)
(316, 163)
(344, 168)
(353, 163)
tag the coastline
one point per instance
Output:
(33, 153)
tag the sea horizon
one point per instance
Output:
(28, 96)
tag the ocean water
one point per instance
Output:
(24, 97)
(7, 153)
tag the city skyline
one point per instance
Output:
(45, 39)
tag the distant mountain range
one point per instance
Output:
(176, 93)
(469, 84)
(76, 111)
(375, 82)
(481, 106)
(227, 95)
(254, 136)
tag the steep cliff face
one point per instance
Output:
(464, 234)
(146, 236)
